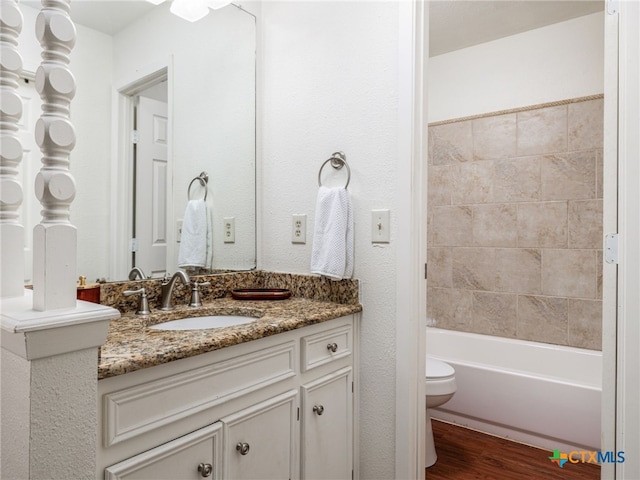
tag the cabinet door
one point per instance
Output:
(259, 442)
(327, 427)
(193, 456)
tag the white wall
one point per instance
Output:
(330, 82)
(89, 160)
(557, 62)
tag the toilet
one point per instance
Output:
(440, 387)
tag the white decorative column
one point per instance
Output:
(49, 354)
(11, 232)
(55, 238)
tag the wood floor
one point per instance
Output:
(465, 454)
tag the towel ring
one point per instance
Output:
(338, 160)
(203, 178)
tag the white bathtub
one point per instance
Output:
(544, 395)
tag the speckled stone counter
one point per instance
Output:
(132, 346)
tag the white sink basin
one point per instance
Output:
(199, 323)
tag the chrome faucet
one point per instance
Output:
(167, 289)
(136, 271)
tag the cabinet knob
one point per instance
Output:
(319, 409)
(243, 448)
(205, 469)
(332, 347)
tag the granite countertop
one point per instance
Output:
(131, 346)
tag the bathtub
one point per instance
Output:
(544, 395)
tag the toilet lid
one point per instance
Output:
(438, 369)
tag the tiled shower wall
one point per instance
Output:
(515, 224)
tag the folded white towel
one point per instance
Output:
(332, 252)
(195, 250)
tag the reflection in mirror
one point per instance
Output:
(206, 73)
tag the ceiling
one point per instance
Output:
(456, 24)
(107, 16)
(453, 24)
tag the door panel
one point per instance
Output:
(327, 406)
(151, 186)
(267, 433)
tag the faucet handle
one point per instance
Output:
(195, 293)
(143, 306)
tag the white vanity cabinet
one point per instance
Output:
(280, 407)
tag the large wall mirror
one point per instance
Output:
(187, 88)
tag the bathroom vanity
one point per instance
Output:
(271, 399)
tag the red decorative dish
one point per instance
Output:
(260, 293)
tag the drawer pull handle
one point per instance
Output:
(332, 347)
(319, 409)
(243, 448)
(205, 469)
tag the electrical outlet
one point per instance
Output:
(178, 230)
(299, 228)
(380, 225)
(229, 229)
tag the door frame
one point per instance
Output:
(411, 312)
(122, 163)
(623, 361)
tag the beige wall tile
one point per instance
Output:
(568, 176)
(439, 185)
(519, 270)
(569, 273)
(585, 224)
(542, 319)
(452, 226)
(543, 130)
(452, 143)
(494, 137)
(516, 179)
(439, 267)
(473, 268)
(495, 314)
(495, 225)
(585, 323)
(542, 224)
(586, 124)
(472, 183)
(450, 308)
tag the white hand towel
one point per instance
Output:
(194, 241)
(332, 252)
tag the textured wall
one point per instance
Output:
(330, 83)
(14, 415)
(64, 416)
(515, 216)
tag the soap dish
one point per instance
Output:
(261, 293)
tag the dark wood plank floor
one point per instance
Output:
(465, 454)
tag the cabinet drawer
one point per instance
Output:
(133, 411)
(179, 458)
(325, 347)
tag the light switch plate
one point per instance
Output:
(380, 226)
(178, 230)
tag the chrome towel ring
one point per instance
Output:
(338, 160)
(203, 178)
